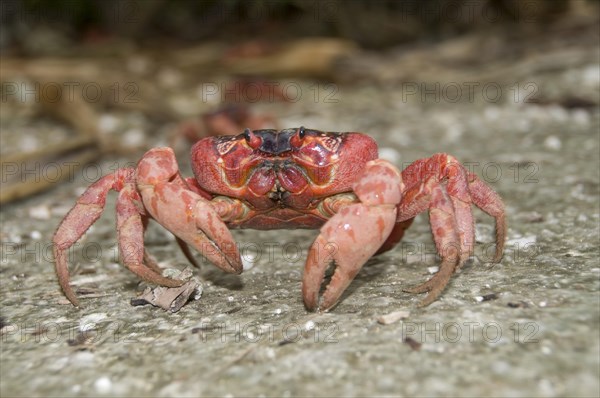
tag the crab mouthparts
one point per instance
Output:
(277, 193)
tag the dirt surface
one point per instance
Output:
(528, 326)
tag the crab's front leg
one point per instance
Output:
(353, 235)
(184, 212)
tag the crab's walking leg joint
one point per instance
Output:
(353, 235)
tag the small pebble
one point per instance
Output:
(88, 322)
(412, 343)
(35, 235)
(553, 142)
(107, 123)
(433, 270)
(270, 353)
(247, 262)
(103, 385)
(486, 297)
(310, 325)
(133, 137)
(41, 212)
(393, 317)
(198, 293)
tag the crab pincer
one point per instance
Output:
(353, 235)
(184, 212)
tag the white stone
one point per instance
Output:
(103, 385)
(553, 142)
(41, 212)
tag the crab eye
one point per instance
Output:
(301, 132)
(251, 139)
(247, 135)
(297, 140)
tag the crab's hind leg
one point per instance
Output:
(447, 241)
(131, 239)
(79, 219)
(489, 201)
(149, 259)
(353, 235)
(442, 185)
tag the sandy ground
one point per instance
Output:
(528, 326)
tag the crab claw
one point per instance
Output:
(213, 239)
(352, 235)
(185, 213)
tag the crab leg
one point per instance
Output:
(185, 213)
(353, 235)
(443, 186)
(489, 201)
(131, 239)
(421, 177)
(79, 219)
(447, 241)
(464, 189)
(85, 212)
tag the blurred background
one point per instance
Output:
(69, 27)
(115, 73)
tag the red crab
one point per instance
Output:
(293, 178)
